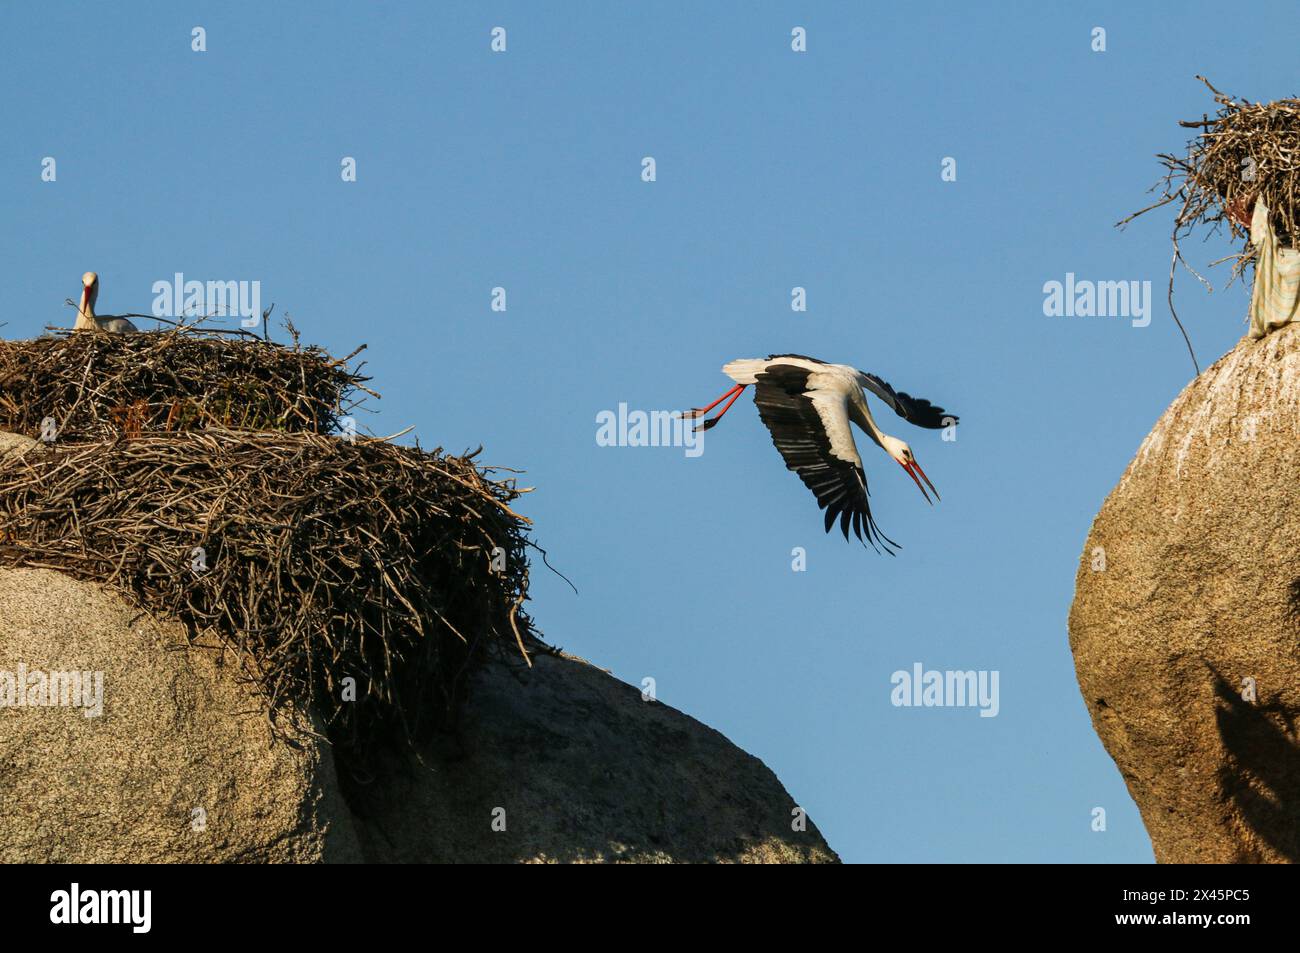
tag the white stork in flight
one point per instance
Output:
(86, 319)
(807, 404)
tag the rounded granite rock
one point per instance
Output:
(1185, 626)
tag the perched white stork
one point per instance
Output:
(86, 320)
(806, 405)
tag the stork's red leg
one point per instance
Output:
(712, 421)
(701, 411)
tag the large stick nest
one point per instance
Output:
(99, 385)
(337, 567)
(1245, 151)
(319, 559)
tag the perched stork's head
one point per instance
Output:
(89, 290)
(901, 452)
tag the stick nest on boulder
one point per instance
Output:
(1243, 152)
(101, 385)
(363, 579)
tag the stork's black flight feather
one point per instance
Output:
(826, 460)
(915, 410)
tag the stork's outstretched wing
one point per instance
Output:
(807, 415)
(915, 410)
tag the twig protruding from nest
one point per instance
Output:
(1244, 152)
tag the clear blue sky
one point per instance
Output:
(775, 169)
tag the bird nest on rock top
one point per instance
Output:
(92, 386)
(361, 579)
(1243, 153)
(319, 559)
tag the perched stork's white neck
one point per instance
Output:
(86, 307)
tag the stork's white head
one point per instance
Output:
(89, 292)
(902, 453)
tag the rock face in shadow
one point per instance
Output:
(1185, 626)
(180, 765)
(580, 768)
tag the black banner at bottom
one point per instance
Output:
(132, 903)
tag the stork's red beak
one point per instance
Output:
(913, 468)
